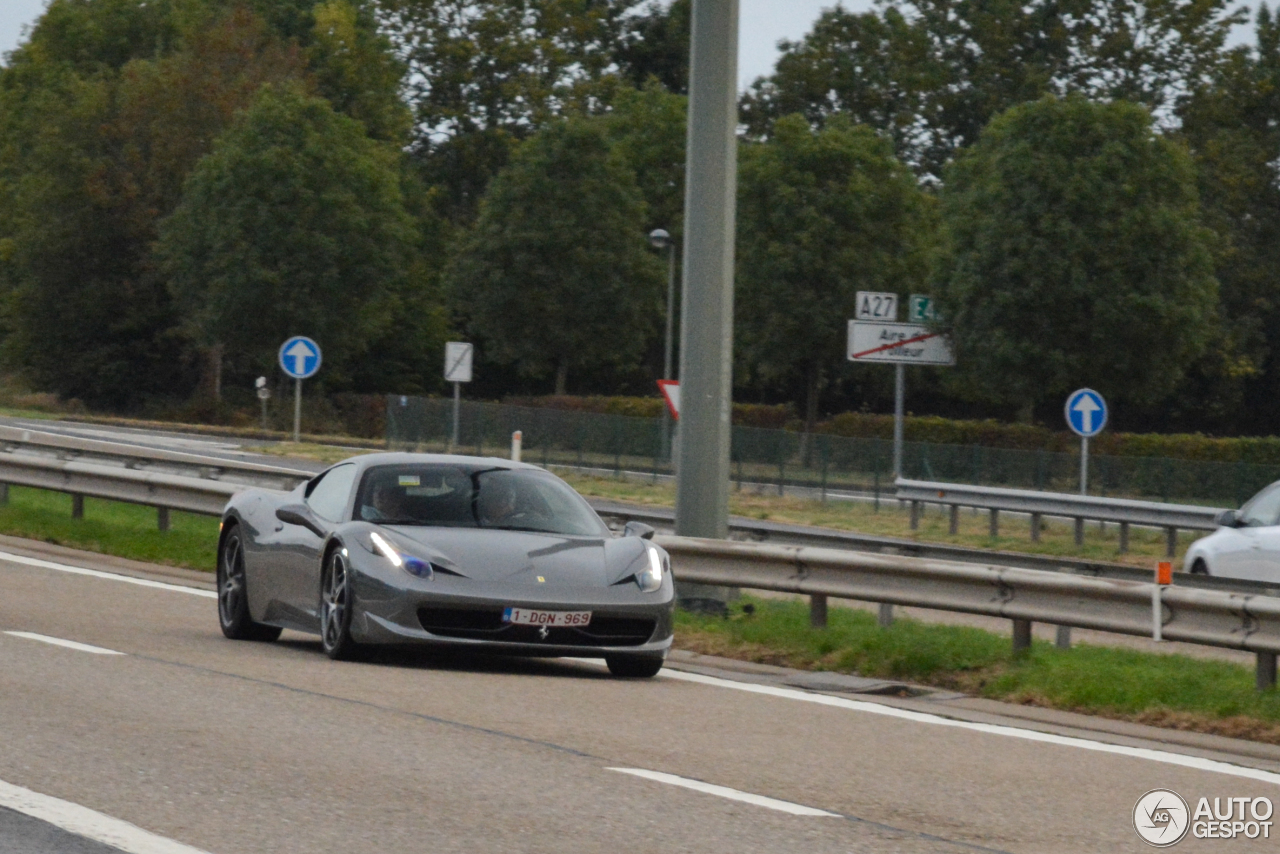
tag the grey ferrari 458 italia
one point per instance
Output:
(446, 550)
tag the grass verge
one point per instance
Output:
(110, 527)
(1173, 691)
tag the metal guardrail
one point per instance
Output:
(1037, 505)
(1248, 622)
(1237, 619)
(166, 480)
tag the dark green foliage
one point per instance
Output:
(556, 274)
(656, 46)
(1076, 256)
(932, 73)
(820, 216)
(296, 224)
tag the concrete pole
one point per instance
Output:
(706, 325)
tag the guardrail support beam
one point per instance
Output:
(995, 523)
(162, 518)
(1021, 636)
(1063, 640)
(1079, 531)
(4, 493)
(1171, 541)
(915, 515)
(77, 506)
(954, 525)
(818, 611)
(1035, 527)
(1124, 538)
(1266, 670)
(885, 617)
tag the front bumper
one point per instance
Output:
(463, 613)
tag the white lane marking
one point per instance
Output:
(83, 647)
(110, 576)
(91, 824)
(726, 792)
(1165, 757)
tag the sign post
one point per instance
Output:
(1086, 413)
(300, 359)
(458, 356)
(264, 394)
(900, 344)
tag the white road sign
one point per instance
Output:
(457, 361)
(901, 343)
(877, 306)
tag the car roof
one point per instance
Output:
(367, 461)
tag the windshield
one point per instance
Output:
(457, 496)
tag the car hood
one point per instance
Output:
(524, 557)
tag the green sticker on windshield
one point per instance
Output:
(410, 480)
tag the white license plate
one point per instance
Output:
(527, 617)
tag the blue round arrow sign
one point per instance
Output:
(300, 357)
(1086, 412)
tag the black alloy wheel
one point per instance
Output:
(233, 598)
(336, 604)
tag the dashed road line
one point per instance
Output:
(69, 644)
(726, 792)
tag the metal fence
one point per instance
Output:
(783, 459)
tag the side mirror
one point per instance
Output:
(1227, 519)
(298, 514)
(638, 529)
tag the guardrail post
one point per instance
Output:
(954, 526)
(1124, 538)
(1266, 670)
(1021, 636)
(818, 611)
(4, 493)
(162, 518)
(1079, 531)
(1171, 541)
(1035, 527)
(1063, 640)
(77, 506)
(995, 523)
(885, 617)
(915, 515)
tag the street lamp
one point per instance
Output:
(660, 239)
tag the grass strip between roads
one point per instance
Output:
(1166, 690)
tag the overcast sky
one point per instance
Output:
(764, 24)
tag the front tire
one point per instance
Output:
(233, 595)
(633, 666)
(1199, 567)
(337, 601)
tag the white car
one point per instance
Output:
(1246, 544)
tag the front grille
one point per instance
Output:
(486, 624)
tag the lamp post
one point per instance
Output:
(660, 239)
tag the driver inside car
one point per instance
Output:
(385, 502)
(497, 504)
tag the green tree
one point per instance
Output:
(646, 128)
(1076, 256)
(821, 215)
(932, 73)
(555, 275)
(655, 45)
(485, 74)
(296, 224)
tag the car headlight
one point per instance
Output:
(408, 563)
(649, 579)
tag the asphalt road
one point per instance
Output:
(240, 747)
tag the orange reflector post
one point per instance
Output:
(1164, 572)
